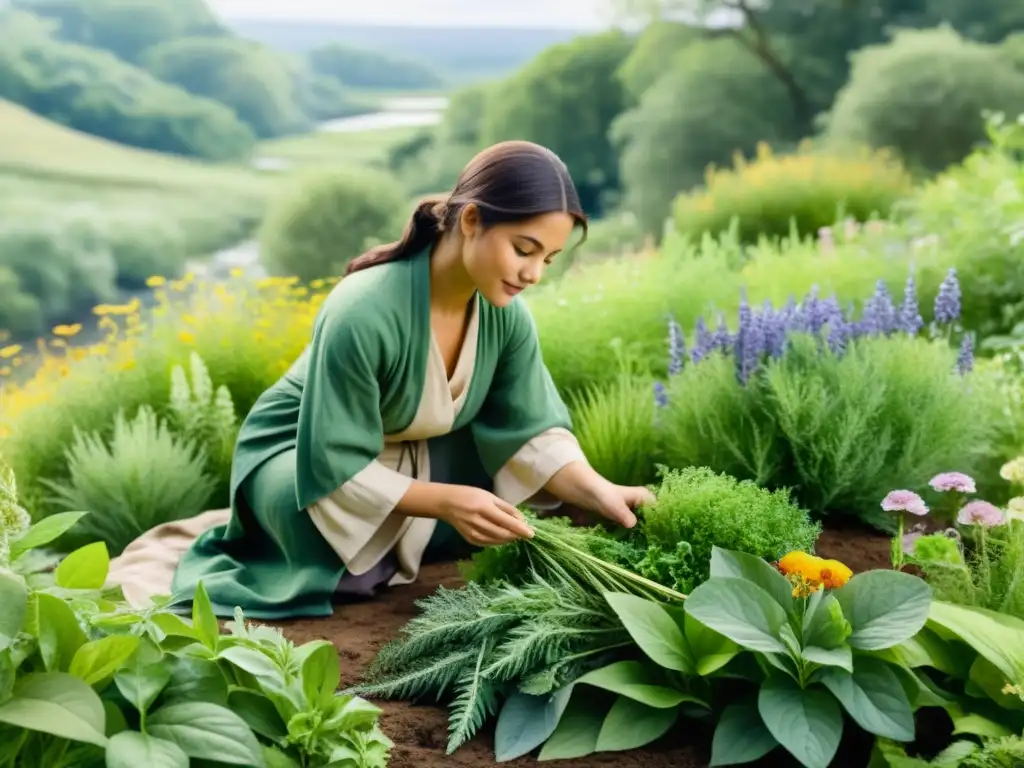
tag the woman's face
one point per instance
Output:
(505, 259)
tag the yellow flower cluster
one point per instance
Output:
(808, 573)
(248, 332)
(1013, 471)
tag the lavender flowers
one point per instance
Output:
(766, 332)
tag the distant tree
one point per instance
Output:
(656, 47)
(358, 68)
(566, 99)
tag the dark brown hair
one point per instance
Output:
(510, 181)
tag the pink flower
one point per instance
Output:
(981, 513)
(904, 501)
(953, 481)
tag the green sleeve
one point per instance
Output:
(522, 401)
(340, 430)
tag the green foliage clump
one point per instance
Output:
(327, 220)
(839, 430)
(698, 509)
(774, 195)
(363, 68)
(95, 92)
(575, 78)
(923, 94)
(145, 476)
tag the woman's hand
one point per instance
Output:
(481, 518)
(618, 502)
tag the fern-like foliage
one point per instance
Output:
(204, 414)
(475, 645)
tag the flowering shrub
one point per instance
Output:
(246, 333)
(978, 560)
(836, 407)
(773, 195)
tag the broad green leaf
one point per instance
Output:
(347, 714)
(711, 650)
(884, 608)
(979, 725)
(577, 731)
(131, 749)
(174, 626)
(204, 620)
(142, 679)
(998, 637)
(195, 679)
(807, 722)
(830, 657)
(251, 660)
(525, 722)
(13, 606)
(653, 630)
(99, 659)
(826, 626)
(631, 725)
(989, 679)
(58, 704)
(259, 713)
(8, 676)
(85, 568)
(46, 530)
(56, 628)
(275, 758)
(874, 697)
(740, 736)
(115, 718)
(207, 731)
(927, 649)
(741, 611)
(320, 671)
(639, 681)
(742, 565)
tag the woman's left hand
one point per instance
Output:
(617, 502)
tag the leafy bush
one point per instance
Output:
(90, 682)
(923, 94)
(805, 191)
(327, 220)
(838, 409)
(697, 510)
(247, 335)
(144, 477)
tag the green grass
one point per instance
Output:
(326, 149)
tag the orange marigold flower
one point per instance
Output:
(834, 574)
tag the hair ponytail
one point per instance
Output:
(426, 223)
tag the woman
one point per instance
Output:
(421, 409)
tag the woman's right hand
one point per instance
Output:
(481, 518)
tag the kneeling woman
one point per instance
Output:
(421, 412)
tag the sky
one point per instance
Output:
(512, 13)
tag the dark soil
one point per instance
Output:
(360, 629)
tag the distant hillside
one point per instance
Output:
(459, 53)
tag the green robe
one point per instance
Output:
(360, 379)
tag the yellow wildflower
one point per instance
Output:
(8, 352)
(155, 281)
(834, 574)
(1013, 471)
(1015, 508)
(67, 330)
(187, 338)
(808, 573)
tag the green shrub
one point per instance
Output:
(838, 410)
(144, 477)
(328, 220)
(976, 212)
(923, 95)
(772, 195)
(698, 509)
(615, 424)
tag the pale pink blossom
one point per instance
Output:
(953, 481)
(904, 501)
(981, 513)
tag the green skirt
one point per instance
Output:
(272, 562)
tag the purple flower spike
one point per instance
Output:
(953, 481)
(749, 346)
(676, 347)
(704, 342)
(981, 513)
(660, 395)
(904, 501)
(965, 360)
(947, 302)
(881, 310)
(910, 320)
(723, 339)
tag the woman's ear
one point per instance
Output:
(469, 220)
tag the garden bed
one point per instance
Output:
(360, 629)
